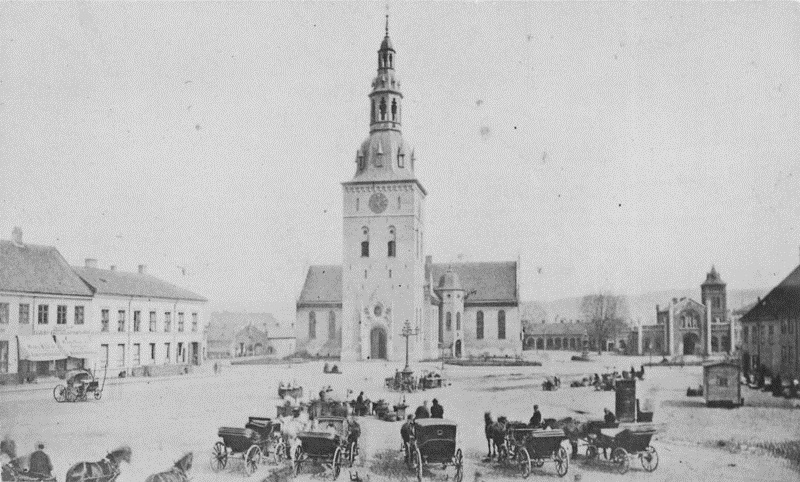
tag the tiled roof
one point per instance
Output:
(783, 300)
(490, 281)
(108, 282)
(323, 285)
(33, 268)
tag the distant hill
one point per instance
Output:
(642, 307)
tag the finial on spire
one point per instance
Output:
(387, 20)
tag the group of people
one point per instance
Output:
(436, 410)
(39, 465)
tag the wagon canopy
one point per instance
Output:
(79, 376)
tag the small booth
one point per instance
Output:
(721, 386)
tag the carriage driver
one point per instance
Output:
(536, 420)
(406, 432)
(40, 464)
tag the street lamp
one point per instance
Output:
(407, 333)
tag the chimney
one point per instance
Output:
(91, 262)
(142, 269)
(16, 237)
(113, 267)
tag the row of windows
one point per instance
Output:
(43, 314)
(479, 325)
(105, 319)
(312, 325)
(118, 360)
(787, 327)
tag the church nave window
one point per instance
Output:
(392, 248)
(458, 321)
(501, 325)
(449, 323)
(479, 325)
(312, 325)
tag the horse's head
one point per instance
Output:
(184, 464)
(487, 418)
(502, 420)
(123, 453)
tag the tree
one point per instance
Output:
(606, 314)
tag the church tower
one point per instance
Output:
(383, 266)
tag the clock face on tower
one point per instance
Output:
(378, 202)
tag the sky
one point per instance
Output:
(619, 147)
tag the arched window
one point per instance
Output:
(392, 248)
(364, 242)
(501, 325)
(726, 342)
(549, 343)
(383, 108)
(458, 320)
(449, 323)
(441, 329)
(390, 60)
(312, 325)
(564, 343)
(401, 159)
(372, 111)
(358, 203)
(558, 343)
(331, 325)
(394, 110)
(714, 344)
(540, 343)
(479, 325)
(399, 202)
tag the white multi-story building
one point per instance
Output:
(54, 317)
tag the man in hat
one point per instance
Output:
(40, 464)
(422, 411)
(437, 411)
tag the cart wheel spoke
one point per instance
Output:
(649, 459)
(219, 457)
(562, 461)
(620, 457)
(337, 462)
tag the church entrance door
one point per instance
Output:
(378, 343)
(458, 348)
(690, 340)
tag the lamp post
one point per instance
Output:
(407, 333)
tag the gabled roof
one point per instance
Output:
(683, 303)
(323, 285)
(783, 300)
(122, 283)
(31, 268)
(484, 282)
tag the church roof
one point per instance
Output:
(782, 300)
(484, 282)
(323, 285)
(449, 281)
(31, 268)
(713, 278)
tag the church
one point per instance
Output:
(385, 284)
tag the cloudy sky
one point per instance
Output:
(610, 146)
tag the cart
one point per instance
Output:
(253, 444)
(12, 472)
(630, 440)
(335, 443)
(80, 384)
(433, 442)
(530, 447)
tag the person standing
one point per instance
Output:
(437, 411)
(422, 411)
(40, 464)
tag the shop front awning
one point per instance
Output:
(39, 348)
(77, 346)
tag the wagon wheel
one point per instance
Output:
(591, 452)
(98, 394)
(459, 462)
(620, 457)
(352, 455)
(71, 396)
(279, 452)
(60, 393)
(252, 459)
(337, 462)
(562, 461)
(524, 461)
(649, 459)
(219, 457)
(298, 455)
(417, 461)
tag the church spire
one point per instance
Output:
(385, 98)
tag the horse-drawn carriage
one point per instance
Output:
(79, 385)
(335, 442)
(13, 472)
(256, 441)
(533, 447)
(624, 442)
(433, 442)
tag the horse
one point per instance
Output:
(573, 429)
(487, 431)
(106, 470)
(178, 473)
(497, 433)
